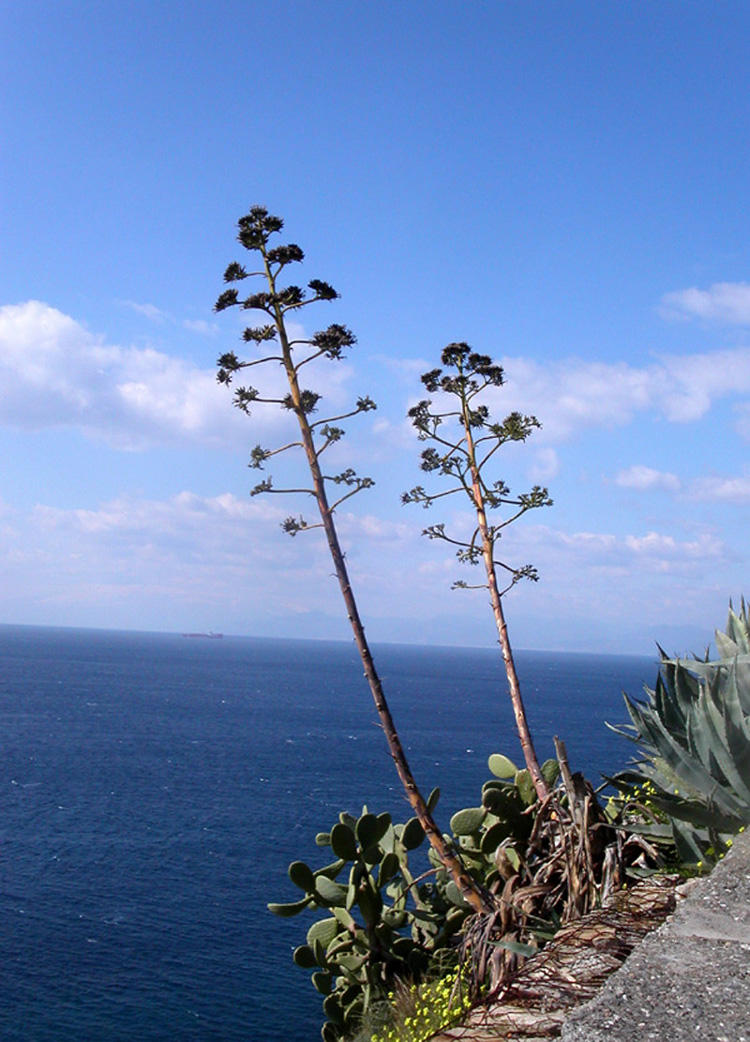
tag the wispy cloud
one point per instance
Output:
(199, 325)
(184, 557)
(723, 302)
(575, 395)
(222, 559)
(621, 568)
(160, 317)
(545, 465)
(667, 548)
(645, 479)
(716, 488)
(726, 489)
(149, 311)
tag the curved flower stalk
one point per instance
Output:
(276, 347)
(465, 440)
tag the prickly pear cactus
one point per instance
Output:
(379, 924)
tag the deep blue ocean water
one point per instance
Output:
(155, 788)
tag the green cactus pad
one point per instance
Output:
(350, 962)
(384, 823)
(525, 787)
(494, 836)
(370, 905)
(330, 1032)
(550, 771)
(466, 821)
(455, 896)
(332, 870)
(387, 841)
(372, 855)
(368, 831)
(423, 916)
(413, 834)
(343, 842)
(344, 918)
(330, 893)
(350, 994)
(505, 803)
(501, 766)
(353, 1015)
(304, 956)
(384, 934)
(323, 931)
(402, 946)
(394, 918)
(301, 875)
(389, 866)
(288, 910)
(323, 982)
(332, 1009)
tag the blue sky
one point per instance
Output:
(562, 185)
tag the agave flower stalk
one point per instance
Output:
(315, 436)
(461, 453)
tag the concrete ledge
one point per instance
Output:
(688, 980)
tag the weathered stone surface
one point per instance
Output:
(689, 980)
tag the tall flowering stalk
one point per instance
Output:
(465, 440)
(277, 303)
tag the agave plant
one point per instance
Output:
(693, 732)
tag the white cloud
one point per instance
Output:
(221, 562)
(726, 302)
(54, 372)
(403, 370)
(690, 384)
(546, 465)
(656, 544)
(567, 554)
(574, 395)
(644, 479)
(160, 317)
(161, 555)
(726, 489)
(170, 563)
(742, 425)
(149, 311)
(374, 528)
(199, 325)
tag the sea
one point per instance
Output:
(155, 787)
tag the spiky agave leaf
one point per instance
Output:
(694, 733)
